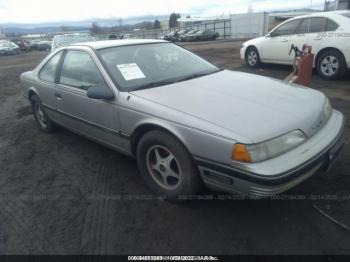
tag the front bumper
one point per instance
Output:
(242, 52)
(227, 178)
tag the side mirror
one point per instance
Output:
(95, 92)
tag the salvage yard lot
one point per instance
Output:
(63, 194)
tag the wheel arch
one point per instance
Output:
(32, 91)
(251, 46)
(146, 127)
(326, 49)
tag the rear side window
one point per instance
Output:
(346, 15)
(80, 71)
(317, 25)
(288, 28)
(331, 26)
(48, 72)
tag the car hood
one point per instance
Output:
(258, 108)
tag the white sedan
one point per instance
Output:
(328, 33)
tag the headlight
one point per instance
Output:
(268, 149)
(327, 109)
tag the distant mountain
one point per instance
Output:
(43, 30)
(14, 28)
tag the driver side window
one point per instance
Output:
(48, 72)
(80, 71)
(288, 28)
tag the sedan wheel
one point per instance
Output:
(40, 115)
(167, 166)
(252, 57)
(331, 65)
(163, 167)
(44, 122)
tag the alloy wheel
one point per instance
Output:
(163, 167)
(40, 115)
(329, 65)
(252, 58)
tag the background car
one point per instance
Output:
(170, 35)
(202, 35)
(183, 37)
(68, 39)
(23, 45)
(178, 34)
(9, 48)
(327, 33)
(44, 45)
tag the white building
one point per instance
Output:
(331, 5)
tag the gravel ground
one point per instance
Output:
(63, 194)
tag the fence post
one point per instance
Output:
(224, 29)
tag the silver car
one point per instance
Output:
(186, 121)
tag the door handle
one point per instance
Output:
(58, 96)
(317, 38)
(284, 40)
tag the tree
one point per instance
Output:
(173, 20)
(120, 22)
(95, 28)
(156, 24)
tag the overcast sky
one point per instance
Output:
(37, 11)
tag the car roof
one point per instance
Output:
(323, 14)
(115, 43)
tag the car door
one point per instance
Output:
(96, 119)
(275, 47)
(312, 31)
(46, 87)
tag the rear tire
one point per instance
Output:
(331, 65)
(167, 166)
(42, 119)
(252, 57)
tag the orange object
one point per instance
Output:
(305, 67)
(302, 67)
(240, 153)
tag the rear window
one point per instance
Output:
(346, 15)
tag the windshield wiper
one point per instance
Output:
(198, 75)
(168, 82)
(154, 84)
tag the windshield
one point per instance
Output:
(149, 65)
(65, 40)
(346, 15)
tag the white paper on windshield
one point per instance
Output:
(131, 71)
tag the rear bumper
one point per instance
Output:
(229, 179)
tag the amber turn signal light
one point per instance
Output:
(240, 153)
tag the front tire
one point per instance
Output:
(252, 57)
(167, 166)
(42, 119)
(331, 65)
